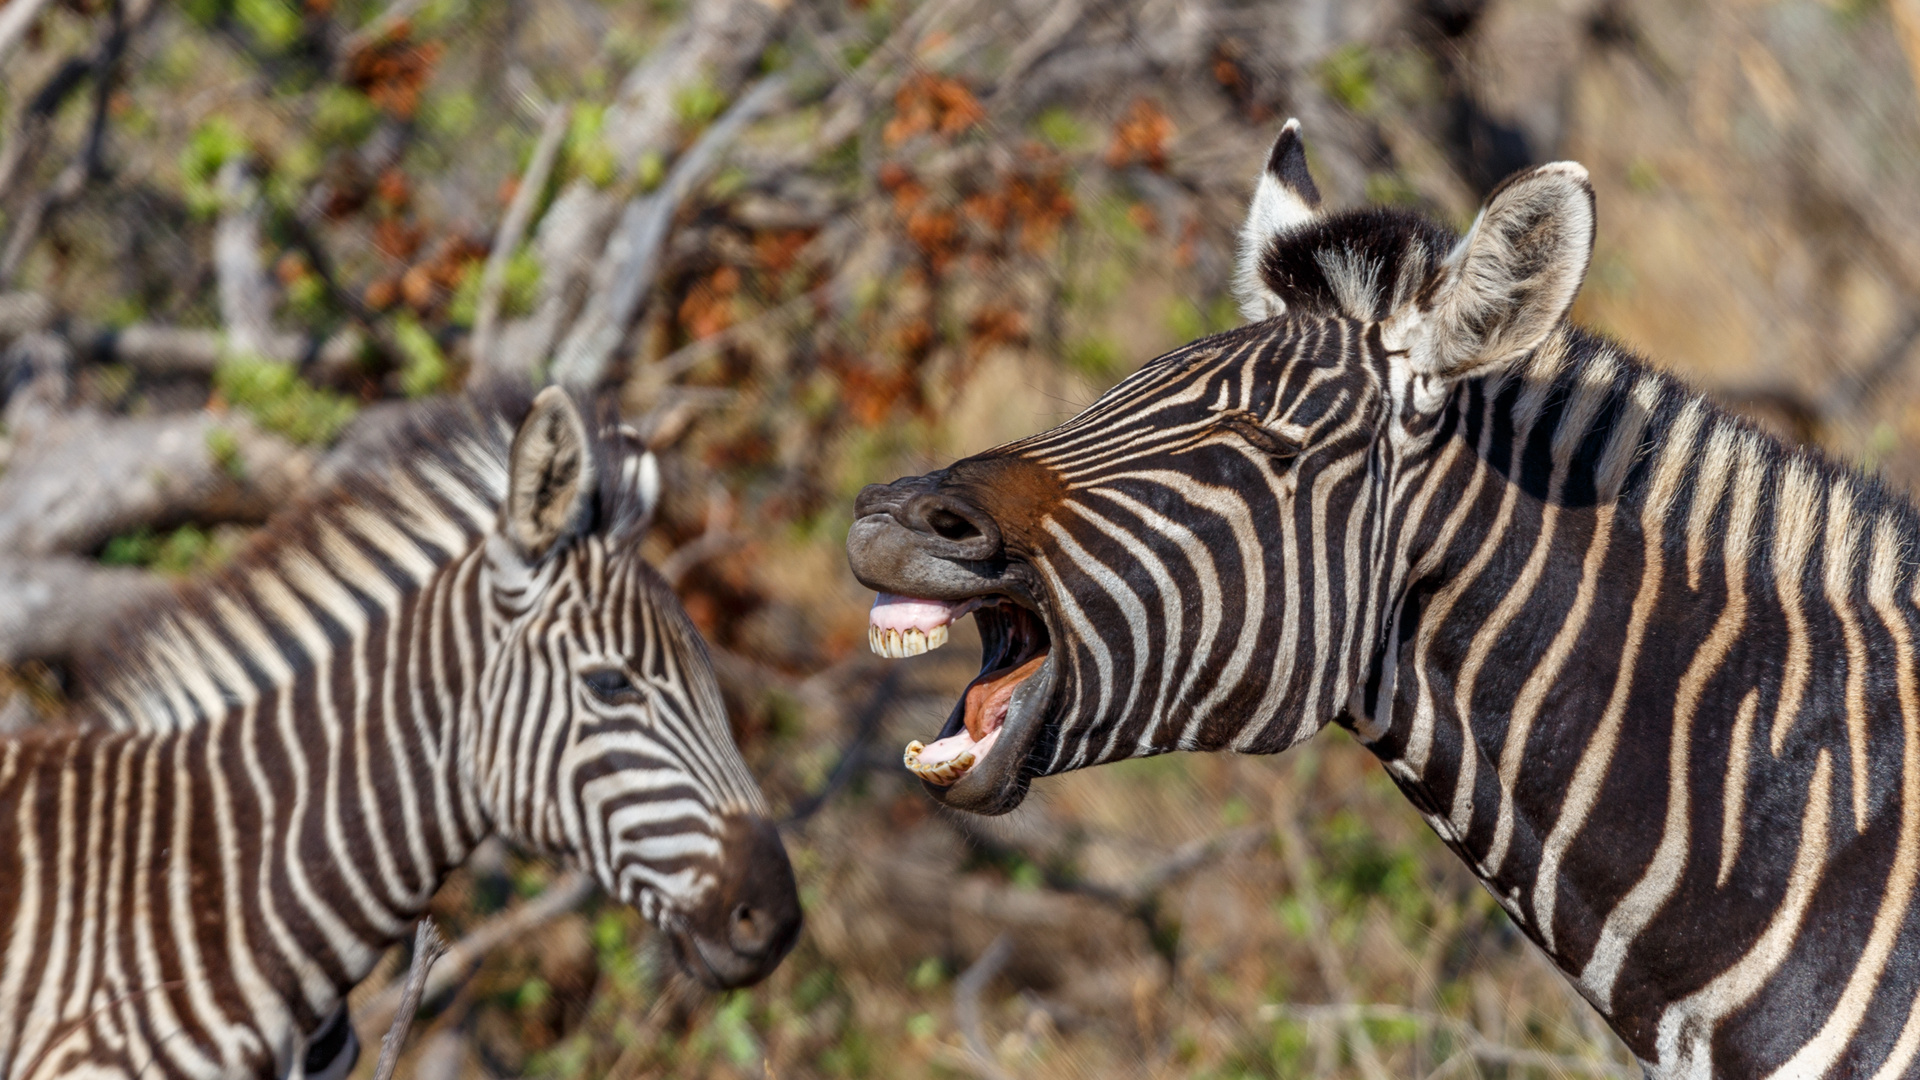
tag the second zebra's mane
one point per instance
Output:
(416, 498)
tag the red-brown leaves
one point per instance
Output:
(1140, 138)
(392, 71)
(708, 307)
(931, 103)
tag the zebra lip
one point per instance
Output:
(979, 761)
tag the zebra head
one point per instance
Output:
(602, 736)
(1207, 557)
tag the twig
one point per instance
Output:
(562, 896)
(15, 19)
(513, 228)
(104, 67)
(1293, 849)
(1059, 21)
(966, 1005)
(428, 946)
(853, 759)
(632, 258)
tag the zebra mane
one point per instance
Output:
(437, 478)
(1361, 263)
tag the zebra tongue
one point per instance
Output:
(988, 697)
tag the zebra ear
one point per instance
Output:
(1508, 284)
(550, 478)
(1284, 199)
(639, 482)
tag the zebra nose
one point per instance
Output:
(760, 902)
(948, 523)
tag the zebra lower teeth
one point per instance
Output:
(944, 773)
(895, 644)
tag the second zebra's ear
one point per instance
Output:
(1508, 283)
(1284, 199)
(550, 481)
(639, 491)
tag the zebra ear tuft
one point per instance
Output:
(550, 481)
(1284, 198)
(1509, 282)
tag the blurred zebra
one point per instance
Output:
(462, 641)
(1648, 671)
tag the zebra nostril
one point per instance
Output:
(749, 930)
(952, 526)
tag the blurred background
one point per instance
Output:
(813, 244)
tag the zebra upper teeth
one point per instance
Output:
(895, 644)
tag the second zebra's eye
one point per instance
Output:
(610, 684)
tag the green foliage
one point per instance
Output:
(585, 153)
(1187, 321)
(1643, 176)
(342, 116)
(273, 23)
(1391, 189)
(731, 1029)
(929, 974)
(425, 369)
(1348, 75)
(922, 1025)
(280, 401)
(213, 144)
(176, 552)
(1095, 357)
(698, 103)
(518, 293)
(450, 115)
(1061, 129)
(224, 447)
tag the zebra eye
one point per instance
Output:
(610, 684)
(1263, 438)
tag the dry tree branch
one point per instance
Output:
(246, 300)
(428, 946)
(565, 894)
(967, 989)
(104, 68)
(15, 20)
(633, 254)
(513, 227)
(716, 45)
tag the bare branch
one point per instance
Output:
(428, 946)
(15, 20)
(632, 258)
(512, 228)
(966, 1006)
(246, 300)
(565, 894)
(24, 313)
(91, 477)
(716, 45)
(52, 608)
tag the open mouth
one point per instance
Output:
(1000, 706)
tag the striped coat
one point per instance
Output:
(1649, 672)
(282, 764)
